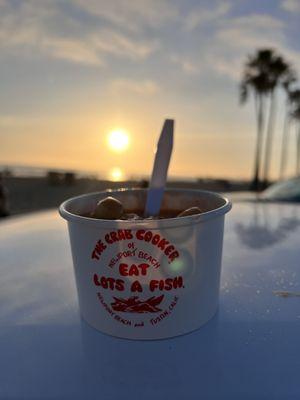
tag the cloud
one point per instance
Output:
(292, 6)
(226, 66)
(16, 121)
(202, 15)
(251, 31)
(101, 33)
(71, 50)
(44, 28)
(7, 120)
(222, 51)
(132, 14)
(108, 41)
(187, 66)
(293, 57)
(143, 87)
(236, 37)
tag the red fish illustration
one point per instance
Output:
(135, 305)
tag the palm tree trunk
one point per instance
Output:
(298, 153)
(284, 143)
(269, 137)
(259, 107)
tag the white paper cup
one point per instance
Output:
(147, 279)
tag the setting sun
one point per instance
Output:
(118, 140)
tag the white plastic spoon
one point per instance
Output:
(160, 169)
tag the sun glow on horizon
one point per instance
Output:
(118, 140)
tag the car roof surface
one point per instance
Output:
(249, 350)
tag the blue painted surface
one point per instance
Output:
(249, 350)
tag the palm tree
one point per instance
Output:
(298, 145)
(288, 82)
(263, 73)
(256, 80)
(278, 71)
(295, 115)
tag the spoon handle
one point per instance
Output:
(160, 169)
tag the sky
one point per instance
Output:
(71, 71)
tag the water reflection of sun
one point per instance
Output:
(116, 174)
(118, 140)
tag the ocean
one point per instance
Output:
(26, 171)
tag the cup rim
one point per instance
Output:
(155, 223)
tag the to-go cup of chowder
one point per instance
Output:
(147, 278)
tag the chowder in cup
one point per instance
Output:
(147, 278)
